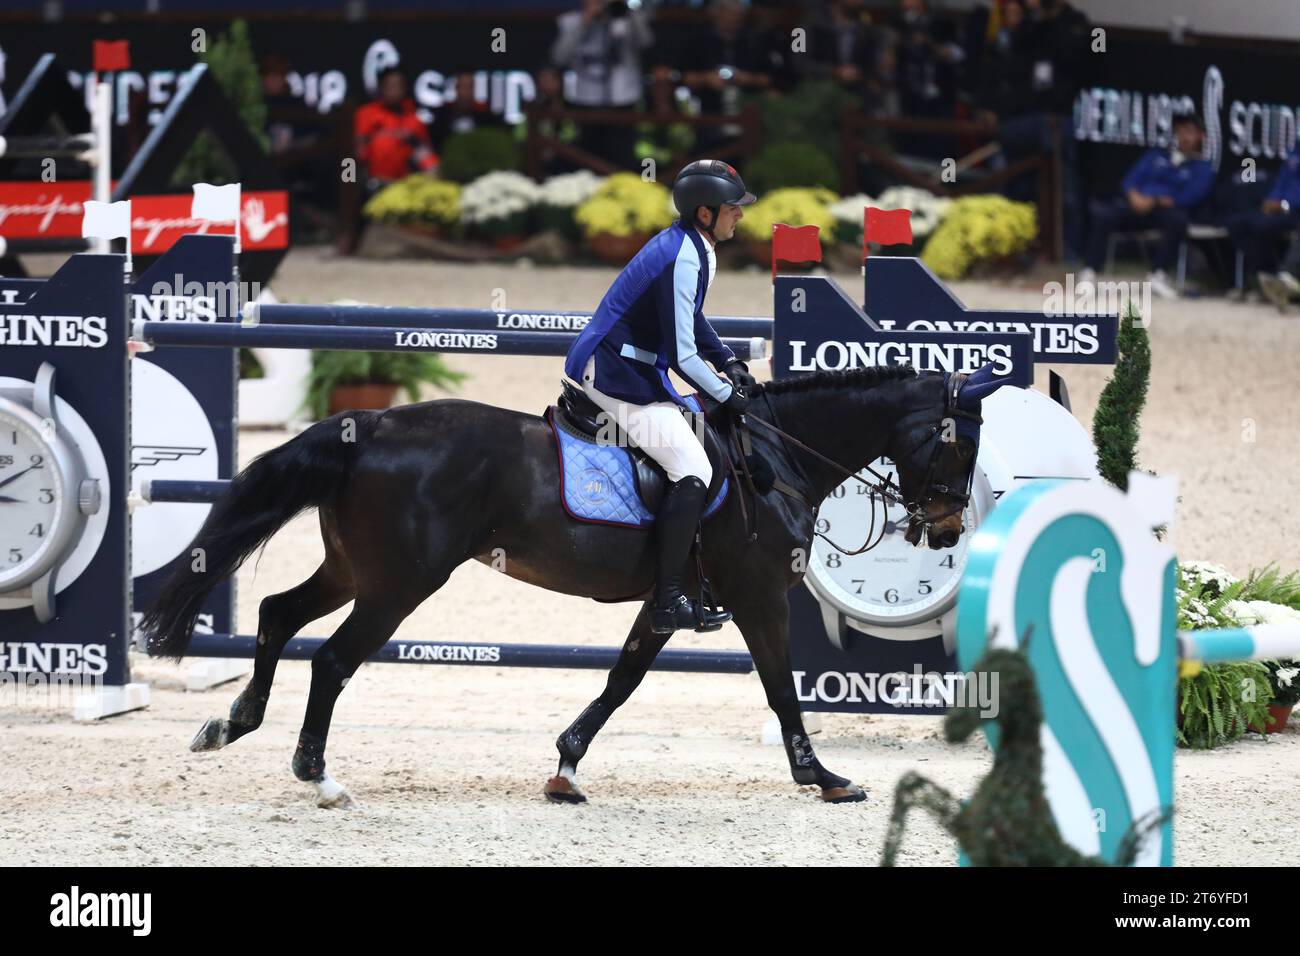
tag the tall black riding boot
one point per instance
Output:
(679, 515)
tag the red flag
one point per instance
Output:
(886, 227)
(111, 55)
(795, 244)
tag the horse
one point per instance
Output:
(407, 494)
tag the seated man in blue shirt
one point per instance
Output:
(1160, 191)
(1256, 233)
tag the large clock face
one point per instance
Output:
(32, 494)
(894, 583)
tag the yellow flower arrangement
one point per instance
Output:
(793, 206)
(416, 199)
(625, 205)
(979, 228)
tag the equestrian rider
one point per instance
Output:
(649, 321)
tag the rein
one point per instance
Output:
(884, 486)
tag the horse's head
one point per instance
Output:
(934, 451)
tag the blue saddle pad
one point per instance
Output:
(597, 483)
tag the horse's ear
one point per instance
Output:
(979, 385)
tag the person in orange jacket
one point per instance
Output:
(391, 140)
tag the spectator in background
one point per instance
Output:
(929, 61)
(1032, 77)
(462, 114)
(842, 45)
(391, 140)
(1283, 287)
(1256, 233)
(726, 61)
(602, 44)
(1160, 191)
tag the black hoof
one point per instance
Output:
(561, 790)
(848, 794)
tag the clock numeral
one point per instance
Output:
(859, 582)
(38, 531)
(15, 556)
(946, 561)
(47, 496)
(925, 587)
(838, 492)
(833, 560)
(823, 525)
(38, 461)
(891, 596)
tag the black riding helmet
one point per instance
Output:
(711, 183)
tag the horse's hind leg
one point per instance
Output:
(280, 617)
(369, 626)
(639, 651)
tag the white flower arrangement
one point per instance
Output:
(569, 189)
(849, 209)
(1262, 612)
(498, 195)
(1203, 573)
(928, 210)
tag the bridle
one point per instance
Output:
(883, 486)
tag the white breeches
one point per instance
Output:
(659, 429)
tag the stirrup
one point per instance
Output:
(686, 614)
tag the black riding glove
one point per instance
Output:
(736, 402)
(738, 372)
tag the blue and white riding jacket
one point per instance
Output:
(651, 320)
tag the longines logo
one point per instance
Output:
(898, 689)
(927, 356)
(1050, 338)
(541, 322)
(58, 331)
(446, 340)
(25, 656)
(449, 653)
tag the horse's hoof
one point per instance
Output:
(563, 790)
(213, 735)
(849, 794)
(330, 794)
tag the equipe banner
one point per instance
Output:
(36, 210)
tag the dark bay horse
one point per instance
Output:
(408, 494)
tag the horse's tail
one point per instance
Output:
(305, 472)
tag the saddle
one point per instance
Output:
(594, 452)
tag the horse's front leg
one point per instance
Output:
(639, 651)
(763, 616)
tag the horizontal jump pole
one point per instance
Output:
(178, 491)
(76, 146)
(35, 244)
(486, 655)
(1256, 642)
(269, 313)
(346, 338)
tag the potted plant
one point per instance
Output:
(1284, 681)
(794, 206)
(343, 380)
(467, 156)
(560, 197)
(417, 203)
(1220, 703)
(622, 214)
(496, 207)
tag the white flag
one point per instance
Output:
(106, 220)
(216, 203)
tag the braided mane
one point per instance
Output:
(866, 377)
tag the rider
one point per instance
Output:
(650, 320)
